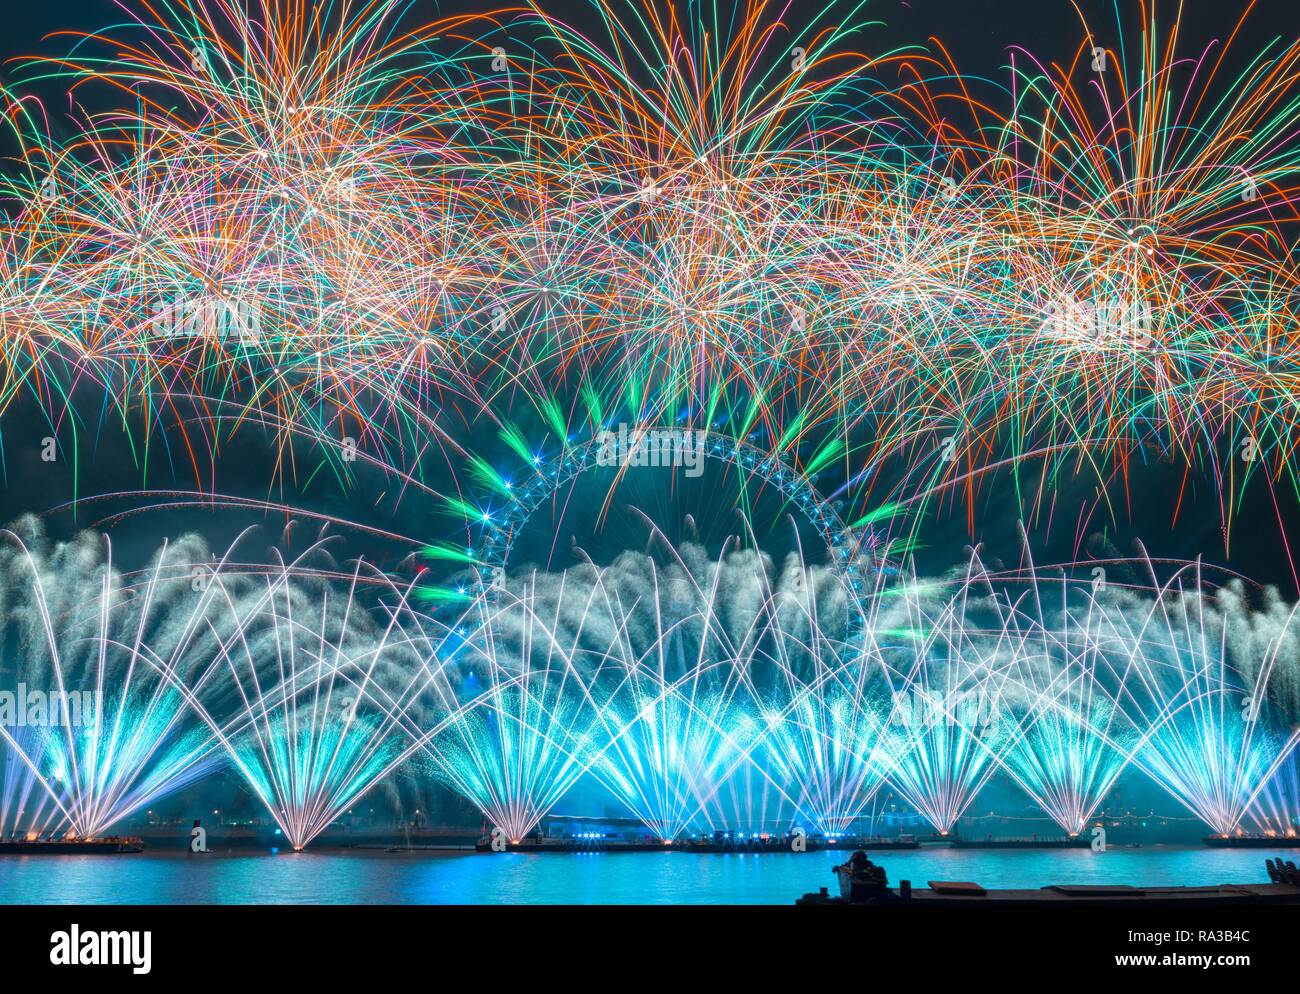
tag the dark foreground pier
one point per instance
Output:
(862, 882)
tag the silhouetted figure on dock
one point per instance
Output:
(862, 881)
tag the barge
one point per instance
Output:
(70, 847)
(1032, 843)
(1253, 841)
(720, 843)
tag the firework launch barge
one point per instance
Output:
(70, 847)
(1253, 841)
(862, 882)
(1072, 842)
(720, 843)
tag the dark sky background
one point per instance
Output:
(978, 35)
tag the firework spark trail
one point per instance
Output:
(676, 715)
(312, 696)
(821, 698)
(1276, 810)
(948, 669)
(526, 726)
(133, 741)
(1196, 688)
(1073, 743)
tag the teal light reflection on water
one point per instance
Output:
(364, 877)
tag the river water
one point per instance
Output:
(341, 876)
